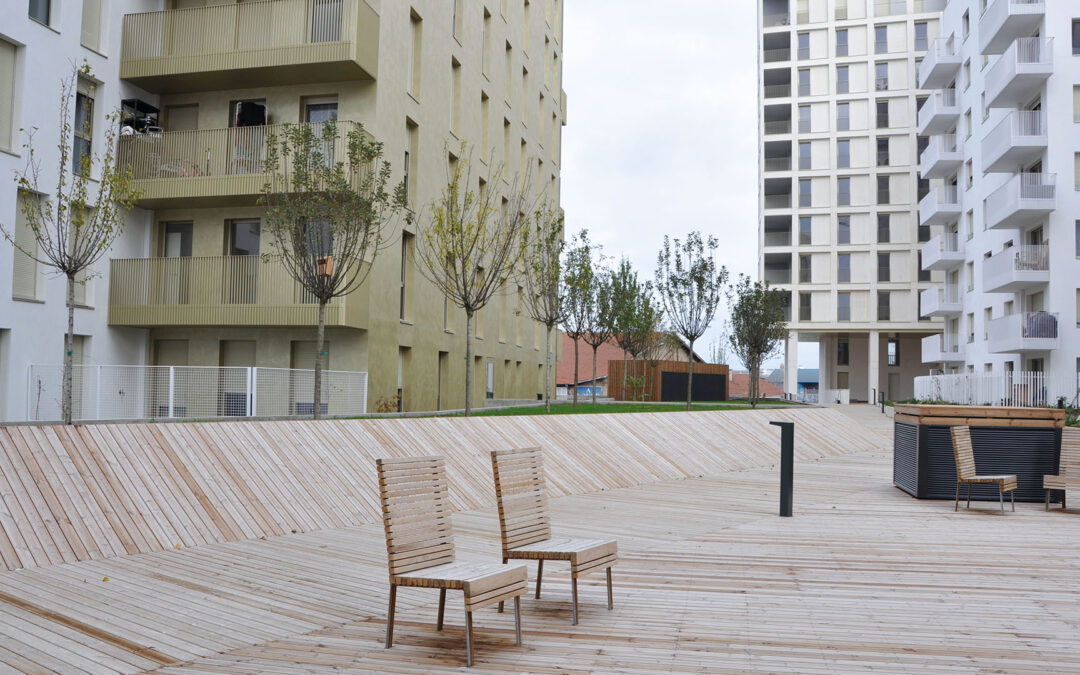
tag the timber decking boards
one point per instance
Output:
(710, 580)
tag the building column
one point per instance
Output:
(791, 364)
(873, 375)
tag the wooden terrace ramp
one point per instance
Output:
(709, 580)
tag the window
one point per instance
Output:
(883, 228)
(842, 85)
(924, 234)
(883, 190)
(842, 353)
(804, 192)
(455, 96)
(805, 276)
(805, 231)
(24, 270)
(881, 76)
(921, 41)
(843, 191)
(882, 114)
(843, 116)
(881, 39)
(41, 10)
(413, 133)
(843, 154)
(804, 119)
(1076, 103)
(244, 236)
(7, 94)
(1078, 239)
(843, 267)
(965, 25)
(91, 24)
(965, 74)
(1076, 36)
(883, 307)
(804, 306)
(83, 129)
(967, 124)
(416, 36)
(842, 379)
(893, 358)
(406, 240)
(971, 328)
(924, 275)
(804, 82)
(804, 45)
(883, 272)
(843, 309)
(804, 155)
(843, 229)
(842, 42)
(883, 152)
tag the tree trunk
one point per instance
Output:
(690, 377)
(752, 391)
(575, 384)
(69, 345)
(547, 370)
(468, 363)
(625, 373)
(316, 397)
(595, 347)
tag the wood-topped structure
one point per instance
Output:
(983, 416)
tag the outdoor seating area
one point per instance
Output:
(230, 547)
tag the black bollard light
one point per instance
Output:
(787, 465)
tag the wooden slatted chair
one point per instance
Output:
(967, 475)
(526, 529)
(1068, 478)
(420, 546)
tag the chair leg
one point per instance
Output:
(956, 506)
(610, 602)
(442, 608)
(1047, 492)
(1012, 498)
(1001, 499)
(390, 616)
(468, 638)
(501, 602)
(969, 495)
(1063, 492)
(517, 619)
(573, 591)
(539, 577)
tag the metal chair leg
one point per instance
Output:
(1001, 499)
(501, 602)
(573, 590)
(969, 496)
(390, 616)
(517, 619)
(442, 608)
(1012, 498)
(610, 602)
(468, 638)
(1047, 492)
(956, 506)
(1063, 492)
(539, 577)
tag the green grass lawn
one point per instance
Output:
(584, 408)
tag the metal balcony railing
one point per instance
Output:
(778, 127)
(776, 19)
(778, 238)
(781, 201)
(778, 276)
(777, 90)
(773, 55)
(777, 163)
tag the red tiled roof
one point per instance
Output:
(740, 386)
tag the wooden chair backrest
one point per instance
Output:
(416, 513)
(521, 493)
(1070, 453)
(962, 450)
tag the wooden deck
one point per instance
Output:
(709, 580)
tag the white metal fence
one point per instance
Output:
(161, 392)
(1017, 389)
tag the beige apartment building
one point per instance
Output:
(421, 76)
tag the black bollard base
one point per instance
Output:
(787, 465)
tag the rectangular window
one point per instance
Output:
(843, 116)
(883, 271)
(883, 152)
(1076, 36)
(24, 270)
(805, 231)
(883, 306)
(41, 10)
(804, 45)
(83, 127)
(805, 195)
(843, 309)
(921, 41)
(842, 42)
(91, 24)
(843, 191)
(924, 275)
(842, 353)
(883, 228)
(804, 82)
(459, 18)
(804, 155)
(455, 97)
(924, 234)
(406, 241)
(843, 267)
(881, 39)
(413, 133)
(882, 114)
(804, 119)
(965, 25)
(416, 49)
(485, 55)
(843, 154)
(893, 358)
(883, 190)
(1078, 239)
(1076, 103)
(881, 76)
(805, 275)
(8, 52)
(804, 306)
(843, 229)
(842, 83)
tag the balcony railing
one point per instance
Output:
(939, 113)
(777, 163)
(778, 238)
(941, 157)
(218, 291)
(940, 207)
(1017, 140)
(889, 7)
(940, 65)
(774, 55)
(1020, 72)
(1017, 268)
(1027, 331)
(1005, 20)
(778, 127)
(777, 90)
(929, 5)
(1023, 199)
(250, 44)
(781, 201)
(778, 19)
(941, 348)
(778, 276)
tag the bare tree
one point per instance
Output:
(719, 349)
(545, 286)
(600, 322)
(77, 225)
(470, 245)
(581, 279)
(327, 210)
(691, 287)
(758, 327)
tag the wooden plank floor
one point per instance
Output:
(710, 580)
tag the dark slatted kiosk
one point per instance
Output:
(1021, 441)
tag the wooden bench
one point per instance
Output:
(1068, 477)
(526, 529)
(420, 546)
(967, 475)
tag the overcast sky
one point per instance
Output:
(661, 134)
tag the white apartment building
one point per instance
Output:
(1003, 155)
(840, 186)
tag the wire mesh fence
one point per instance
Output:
(162, 392)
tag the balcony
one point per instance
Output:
(1024, 332)
(942, 348)
(1020, 72)
(219, 291)
(940, 113)
(940, 207)
(250, 44)
(1018, 140)
(1025, 198)
(1016, 269)
(777, 164)
(777, 54)
(942, 157)
(943, 252)
(777, 127)
(205, 167)
(941, 301)
(778, 90)
(940, 65)
(1006, 20)
(780, 201)
(776, 19)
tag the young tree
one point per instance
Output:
(719, 348)
(690, 286)
(645, 334)
(327, 210)
(90, 200)
(624, 297)
(600, 318)
(470, 245)
(545, 286)
(581, 296)
(758, 327)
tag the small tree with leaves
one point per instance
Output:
(471, 244)
(542, 273)
(77, 225)
(721, 346)
(644, 335)
(690, 286)
(600, 319)
(327, 211)
(581, 281)
(624, 297)
(758, 327)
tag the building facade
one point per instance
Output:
(840, 186)
(187, 286)
(1004, 156)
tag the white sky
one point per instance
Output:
(662, 128)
